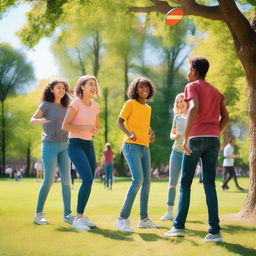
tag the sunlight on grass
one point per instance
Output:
(20, 236)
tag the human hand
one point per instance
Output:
(132, 136)
(177, 136)
(152, 136)
(187, 151)
(44, 121)
(95, 130)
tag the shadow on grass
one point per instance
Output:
(195, 221)
(113, 234)
(237, 249)
(231, 229)
(64, 229)
(150, 237)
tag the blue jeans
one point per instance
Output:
(207, 148)
(174, 174)
(54, 154)
(138, 159)
(108, 168)
(82, 154)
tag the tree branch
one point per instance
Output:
(237, 22)
(190, 7)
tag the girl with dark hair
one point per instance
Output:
(82, 122)
(50, 114)
(134, 121)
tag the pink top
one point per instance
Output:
(108, 156)
(210, 101)
(85, 115)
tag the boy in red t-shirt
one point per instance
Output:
(206, 118)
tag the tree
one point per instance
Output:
(15, 73)
(244, 37)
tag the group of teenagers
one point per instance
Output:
(69, 124)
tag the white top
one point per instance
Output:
(38, 166)
(228, 151)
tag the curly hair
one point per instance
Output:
(132, 91)
(82, 81)
(47, 94)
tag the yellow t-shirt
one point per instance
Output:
(137, 120)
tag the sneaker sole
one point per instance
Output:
(40, 223)
(175, 235)
(214, 240)
(81, 228)
(124, 230)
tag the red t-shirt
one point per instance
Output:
(210, 101)
(108, 156)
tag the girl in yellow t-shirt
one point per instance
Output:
(134, 121)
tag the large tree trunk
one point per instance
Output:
(27, 171)
(249, 62)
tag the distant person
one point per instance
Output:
(134, 121)
(206, 118)
(50, 115)
(228, 165)
(82, 123)
(108, 165)
(17, 174)
(177, 134)
(9, 171)
(39, 170)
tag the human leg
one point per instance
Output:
(209, 161)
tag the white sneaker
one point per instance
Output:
(40, 218)
(80, 224)
(147, 223)
(167, 216)
(69, 218)
(88, 222)
(175, 232)
(123, 225)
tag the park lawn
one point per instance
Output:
(20, 236)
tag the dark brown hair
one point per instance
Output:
(82, 81)
(200, 64)
(47, 94)
(132, 91)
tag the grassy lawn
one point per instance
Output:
(20, 236)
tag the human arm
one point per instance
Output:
(224, 116)
(120, 124)
(96, 128)
(152, 135)
(38, 118)
(173, 133)
(191, 117)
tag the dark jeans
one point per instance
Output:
(207, 148)
(82, 154)
(229, 173)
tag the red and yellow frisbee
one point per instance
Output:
(174, 16)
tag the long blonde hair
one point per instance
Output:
(176, 110)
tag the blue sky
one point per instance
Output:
(40, 56)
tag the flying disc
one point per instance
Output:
(174, 16)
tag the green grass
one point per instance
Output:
(20, 236)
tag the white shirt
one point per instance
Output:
(228, 151)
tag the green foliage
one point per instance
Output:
(15, 71)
